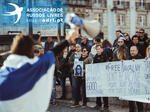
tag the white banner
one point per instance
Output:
(139, 98)
(118, 79)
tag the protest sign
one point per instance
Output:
(118, 79)
(78, 68)
(139, 98)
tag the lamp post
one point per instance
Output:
(30, 20)
(111, 21)
(132, 17)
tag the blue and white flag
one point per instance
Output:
(26, 84)
(122, 36)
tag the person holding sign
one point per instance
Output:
(99, 58)
(79, 82)
(135, 55)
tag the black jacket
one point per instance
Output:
(138, 56)
(48, 46)
(59, 47)
(99, 58)
(107, 55)
(142, 49)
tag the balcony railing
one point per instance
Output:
(100, 4)
(142, 5)
(121, 4)
(82, 3)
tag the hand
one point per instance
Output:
(72, 35)
(146, 58)
(57, 35)
(83, 71)
(121, 60)
(40, 35)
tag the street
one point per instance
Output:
(65, 106)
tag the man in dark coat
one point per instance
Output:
(135, 55)
(49, 44)
(143, 42)
(99, 58)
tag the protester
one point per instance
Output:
(148, 49)
(49, 44)
(97, 41)
(120, 53)
(99, 58)
(85, 43)
(64, 65)
(135, 42)
(137, 33)
(128, 41)
(115, 43)
(72, 50)
(38, 50)
(70, 60)
(135, 55)
(78, 50)
(79, 82)
(25, 80)
(75, 93)
(143, 42)
(107, 49)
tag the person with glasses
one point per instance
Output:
(85, 43)
(137, 33)
(143, 42)
(122, 52)
(128, 41)
(79, 82)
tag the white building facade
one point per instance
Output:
(125, 15)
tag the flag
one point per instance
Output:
(73, 20)
(122, 36)
(26, 84)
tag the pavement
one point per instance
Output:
(115, 105)
(65, 106)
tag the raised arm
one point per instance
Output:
(58, 38)
(39, 40)
(69, 38)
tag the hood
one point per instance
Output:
(16, 61)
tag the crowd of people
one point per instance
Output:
(99, 50)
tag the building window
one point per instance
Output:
(142, 20)
(141, 4)
(99, 3)
(121, 4)
(121, 19)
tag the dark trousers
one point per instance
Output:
(77, 84)
(132, 105)
(63, 85)
(99, 102)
